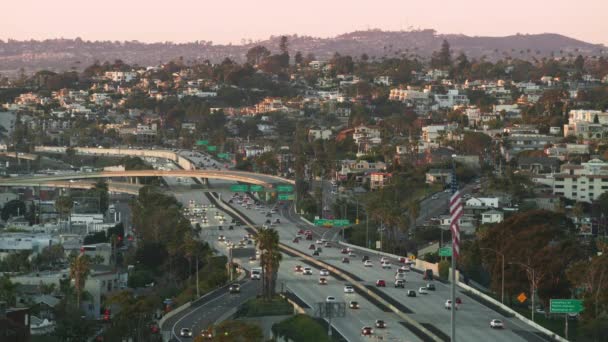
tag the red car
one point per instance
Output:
(309, 237)
(344, 251)
(301, 232)
(380, 283)
(312, 246)
(296, 240)
(367, 331)
(298, 268)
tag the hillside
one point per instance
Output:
(66, 54)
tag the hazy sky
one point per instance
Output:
(231, 20)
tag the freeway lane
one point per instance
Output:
(473, 318)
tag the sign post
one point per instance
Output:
(565, 306)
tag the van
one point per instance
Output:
(256, 273)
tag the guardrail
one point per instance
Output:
(343, 275)
(173, 313)
(519, 316)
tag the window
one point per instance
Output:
(561, 186)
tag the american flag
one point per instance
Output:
(455, 214)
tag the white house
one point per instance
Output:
(492, 216)
(490, 202)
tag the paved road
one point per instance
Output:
(473, 317)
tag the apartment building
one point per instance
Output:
(121, 76)
(584, 183)
(587, 124)
(451, 99)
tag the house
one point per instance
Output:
(378, 180)
(14, 324)
(452, 99)
(383, 80)
(584, 183)
(538, 165)
(492, 216)
(319, 134)
(360, 166)
(17, 242)
(485, 202)
(440, 176)
(121, 76)
(466, 222)
(434, 134)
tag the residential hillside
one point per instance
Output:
(66, 54)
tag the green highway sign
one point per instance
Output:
(286, 197)
(341, 223)
(202, 142)
(330, 223)
(324, 222)
(256, 188)
(223, 155)
(211, 148)
(445, 252)
(565, 305)
(284, 188)
(239, 187)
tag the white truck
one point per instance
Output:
(256, 273)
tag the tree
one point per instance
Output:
(236, 331)
(79, 271)
(7, 290)
(257, 54)
(133, 318)
(63, 205)
(442, 59)
(298, 58)
(100, 191)
(13, 208)
(270, 258)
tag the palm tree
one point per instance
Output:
(270, 258)
(79, 271)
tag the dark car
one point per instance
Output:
(353, 304)
(365, 258)
(411, 293)
(268, 215)
(312, 246)
(277, 221)
(430, 287)
(231, 228)
(367, 331)
(322, 281)
(428, 275)
(234, 288)
(315, 253)
(380, 324)
(344, 251)
(309, 237)
(296, 240)
(220, 228)
(345, 261)
(319, 249)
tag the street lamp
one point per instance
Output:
(502, 286)
(533, 285)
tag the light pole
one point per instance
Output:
(502, 285)
(533, 285)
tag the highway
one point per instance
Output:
(473, 317)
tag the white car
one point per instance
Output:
(405, 268)
(319, 241)
(383, 259)
(307, 271)
(423, 290)
(324, 273)
(367, 263)
(386, 264)
(349, 289)
(352, 254)
(448, 304)
(496, 324)
(330, 299)
(185, 332)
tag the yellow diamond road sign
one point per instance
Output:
(522, 297)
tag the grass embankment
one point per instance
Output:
(257, 307)
(301, 328)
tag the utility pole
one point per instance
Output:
(198, 295)
(366, 229)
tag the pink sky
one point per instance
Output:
(230, 21)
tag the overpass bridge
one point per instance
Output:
(266, 181)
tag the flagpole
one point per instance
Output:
(453, 306)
